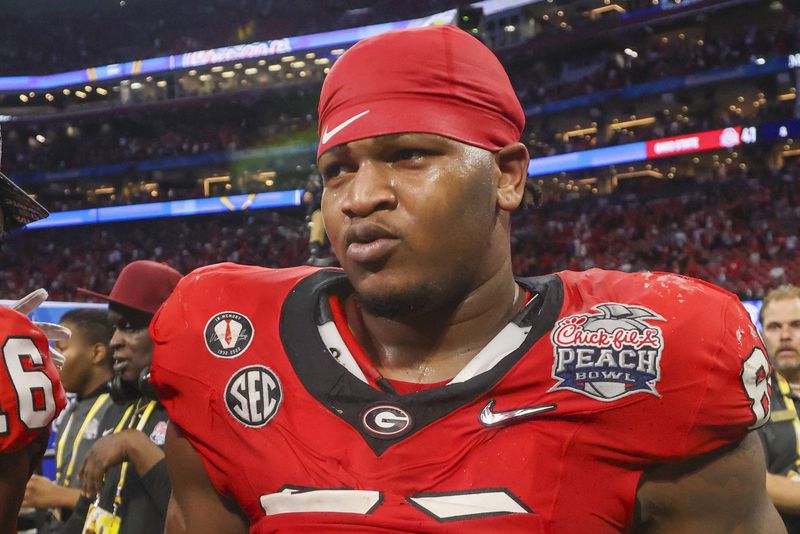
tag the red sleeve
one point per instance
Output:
(183, 375)
(31, 394)
(735, 398)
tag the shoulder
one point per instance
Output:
(678, 305)
(14, 324)
(222, 276)
(650, 285)
(217, 287)
(690, 344)
(31, 394)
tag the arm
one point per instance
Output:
(784, 493)
(158, 487)
(195, 505)
(719, 492)
(41, 492)
(14, 472)
(131, 445)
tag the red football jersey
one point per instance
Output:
(31, 394)
(610, 373)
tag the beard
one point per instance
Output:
(411, 301)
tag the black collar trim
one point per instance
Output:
(348, 397)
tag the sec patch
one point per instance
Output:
(228, 334)
(253, 395)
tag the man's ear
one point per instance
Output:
(512, 161)
(99, 353)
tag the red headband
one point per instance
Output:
(437, 80)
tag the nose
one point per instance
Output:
(786, 332)
(117, 340)
(370, 190)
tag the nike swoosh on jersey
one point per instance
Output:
(326, 135)
(488, 417)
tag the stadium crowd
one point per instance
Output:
(150, 29)
(655, 59)
(158, 132)
(270, 119)
(740, 233)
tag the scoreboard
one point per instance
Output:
(771, 131)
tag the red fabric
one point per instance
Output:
(437, 80)
(553, 463)
(361, 357)
(31, 394)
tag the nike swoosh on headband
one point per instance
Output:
(326, 135)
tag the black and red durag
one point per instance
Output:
(438, 80)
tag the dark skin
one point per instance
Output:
(15, 468)
(85, 369)
(391, 205)
(133, 351)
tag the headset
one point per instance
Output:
(125, 391)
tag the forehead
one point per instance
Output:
(782, 311)
(390, 140)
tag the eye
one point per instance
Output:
(331, 171)
(408, 154)
(127, 326)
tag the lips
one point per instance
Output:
(120, 365)
(369, 242)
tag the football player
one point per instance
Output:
(425, 388)
(31, 394)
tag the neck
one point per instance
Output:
(96, 380)
(436, 345)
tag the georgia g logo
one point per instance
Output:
(386, 421)
(228, 334)
(253, 395)
(609, 354)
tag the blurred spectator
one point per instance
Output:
(86, 372)
(780, 329)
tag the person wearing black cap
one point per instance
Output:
(125, 487)
(31, 394)
(424, 387)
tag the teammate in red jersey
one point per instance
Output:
(31, 394)
(424, 388)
